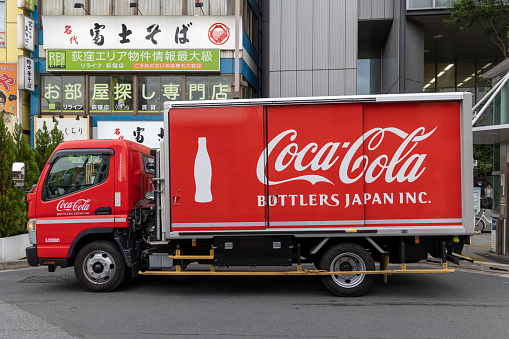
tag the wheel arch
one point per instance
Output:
(86, 237)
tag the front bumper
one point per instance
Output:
(31, 252)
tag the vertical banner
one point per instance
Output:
(9, 94)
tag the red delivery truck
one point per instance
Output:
(339, 182)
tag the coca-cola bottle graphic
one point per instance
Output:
(202, 172)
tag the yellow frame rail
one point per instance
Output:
(294, 273)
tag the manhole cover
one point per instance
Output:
(47, 279)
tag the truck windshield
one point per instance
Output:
(73, 173)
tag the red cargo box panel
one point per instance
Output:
(213, 158)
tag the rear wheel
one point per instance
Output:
(347, 257)
(99, 266)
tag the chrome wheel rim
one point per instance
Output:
(99, 267)
(348, 262)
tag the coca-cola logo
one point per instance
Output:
(401, 166)
(73, 206)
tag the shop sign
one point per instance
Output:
(27, 4)
(26, 31)
(71, 128)
(9, 94)
(147, 133)
(193, 60)
(62, 94)
(27, 75)
(140, 32)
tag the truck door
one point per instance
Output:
(214, 154)
(315, 164)
(77, 195)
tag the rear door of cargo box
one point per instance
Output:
(214, 153)
(413, 165)
(309, 186)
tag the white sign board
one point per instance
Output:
(140, 32)
(26, 32)
(146, 133)
(26, 73)
(71, 128)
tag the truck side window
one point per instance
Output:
(72, 173)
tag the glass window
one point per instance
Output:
(3, 24)
(171, 88)
(196, 88)
(73, 96)
(153, 7)
(74, 173)
(121, 7)
(466, 77)
(100, 7)
(148, 94)
(420, 3)
(429, 77)
(122, 87)
(445, 77)
(51, 94)
(442, 3)
(52, 7)
(369, 65)
(220, 87)
(100, 94)
(171, 8)
(69, 8)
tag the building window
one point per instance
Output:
(369, 78)
(127, 94)
(461, 76)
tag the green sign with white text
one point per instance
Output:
(190, 60)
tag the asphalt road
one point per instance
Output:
(465, 304)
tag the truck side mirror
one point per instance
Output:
(18, 174)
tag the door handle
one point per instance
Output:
(103, 211)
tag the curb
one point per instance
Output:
(485, 266)
(476, 265)
(11, 265)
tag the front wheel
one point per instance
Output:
(479, 224)
(347, 257)
(99, 266)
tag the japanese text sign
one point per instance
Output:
(71, 128)
(147, 133)
(133, 60)
(142, 32)
(27, 73)
(26, 33)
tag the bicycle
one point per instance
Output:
(481, 221)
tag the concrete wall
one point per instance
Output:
(13, 248)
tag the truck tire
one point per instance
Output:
(99, 266)
(347, 257)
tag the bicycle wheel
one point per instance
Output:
(479, 224)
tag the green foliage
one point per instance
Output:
(491, 15)
(46, 142)
(13, 205)
(484, 156)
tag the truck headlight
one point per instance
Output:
(31, 224)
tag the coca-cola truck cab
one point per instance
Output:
(335, 182)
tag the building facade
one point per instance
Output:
(106, 67)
